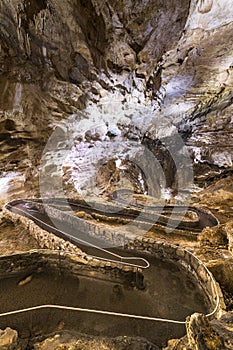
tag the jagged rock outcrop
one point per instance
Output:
(74, 341)
(203, 334)
(8, 339)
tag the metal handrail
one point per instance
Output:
(63, 307)
(122, 258)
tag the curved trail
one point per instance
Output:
(164, 215)
(157, 215)
(34, 209)
(89, 302)
(91, 247)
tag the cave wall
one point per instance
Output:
(197, 77)
(108, 35)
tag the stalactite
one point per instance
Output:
(28, 45)
(40, 22)
(205, 6)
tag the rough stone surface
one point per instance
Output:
(14, 239)
(201, 335)
(205, 335)
(43, 238)
(72, 341)
(8, 339)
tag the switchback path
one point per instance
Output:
(167, 290)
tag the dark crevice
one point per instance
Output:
(136, 47)
(32, 8)
(94, 30)
(115, 68)
(166, 161)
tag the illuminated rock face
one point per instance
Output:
(176, 56)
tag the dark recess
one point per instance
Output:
(94, 30)
(33, 7)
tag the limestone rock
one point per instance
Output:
(8, 339)
(229, 230)
(205, 335)
(216, 236)
(224, 327)
(73, 341)
(200, 334)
